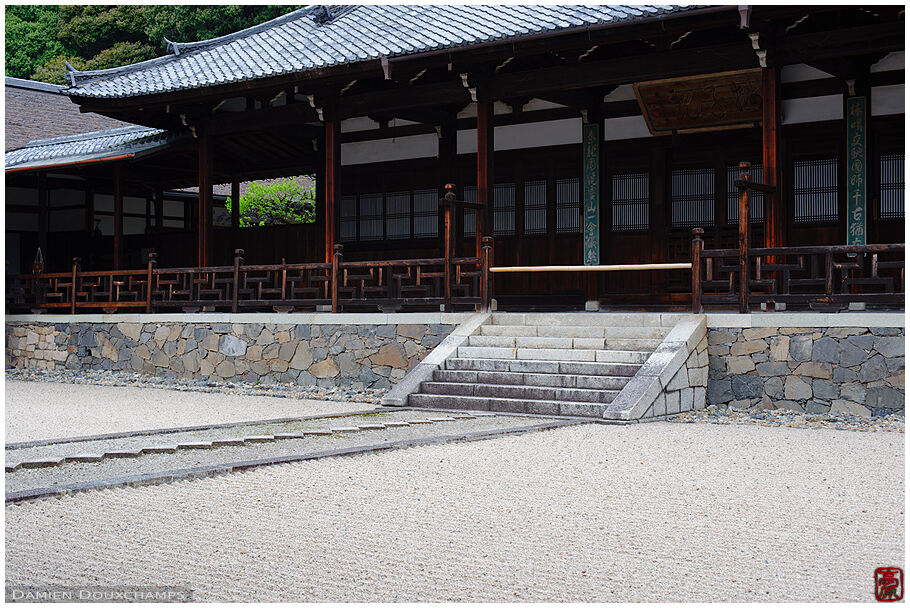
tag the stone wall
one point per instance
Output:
(851, 370)
(327, 355)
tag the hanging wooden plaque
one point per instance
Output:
(709, 102)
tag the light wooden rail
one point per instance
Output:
(592, 267)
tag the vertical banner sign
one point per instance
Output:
(856, 170)
(591, 206)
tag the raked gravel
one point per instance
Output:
(662, 511)
(51, 410)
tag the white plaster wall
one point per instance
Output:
(399, 148)
(625, 127)
(813, 109)
(888, 100)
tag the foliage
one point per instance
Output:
(40, 38)
(280, 202)
(31, 38)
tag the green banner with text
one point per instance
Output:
(591, 197)
(856, 170)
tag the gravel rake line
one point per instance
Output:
(146, 479)
(48, 461)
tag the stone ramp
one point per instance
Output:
(602, 365)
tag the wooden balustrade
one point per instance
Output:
(818, 276)
(387, 285)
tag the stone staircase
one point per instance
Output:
(569, 364)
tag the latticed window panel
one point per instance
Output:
(891, 184)
(470, 222)
(504, 209)
(815, 190)
(756, 199)
(371, 217)
(348, 218)
(631, 197)
(535, 207)
(398, 215)
(692, 197)
(426, 213)
(568, 205)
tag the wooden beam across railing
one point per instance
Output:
(593, 268)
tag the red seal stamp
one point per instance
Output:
(889, 584)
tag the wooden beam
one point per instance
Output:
(772, 165)
(118, 215)
(332, 156)
(204, 205)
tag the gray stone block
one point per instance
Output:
(825, 389)
(719, 391)
(884, 397)
(797, 388)
(886, 331)
(850, 354)
(801, 347)
(817, 407)
(825, 350)
(890, 346)
(873, 369)
(773, 368)
(747, 387)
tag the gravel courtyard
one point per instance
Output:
(652, 512)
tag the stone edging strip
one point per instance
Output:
(234, 467)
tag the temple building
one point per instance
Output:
(573, 136)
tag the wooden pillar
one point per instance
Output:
(89, 209)
(235, 213)
(775, 214)
(485, 147)
(118, 216)
(43, 215)
(159, 210)
(448, 171)
(658, 218)
(204, 206)
(332, 156)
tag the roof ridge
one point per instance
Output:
(34, 85)
(35, 143)
(175, 48)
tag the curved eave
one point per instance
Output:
(77, 160)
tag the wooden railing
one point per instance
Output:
(818, 276)
(387, 285)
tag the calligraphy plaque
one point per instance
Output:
(591, 193)
(710, 102)
(856, 170)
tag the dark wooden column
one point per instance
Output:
(658, 218)
(204, 206)
(235, 214)
(159, 210)
(316, 253)
(89, 209)
(485, 147)
(43, 215)
(448, 161)
(332, 164)
(118, 216)
(775, 214)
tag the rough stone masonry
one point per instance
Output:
(842, 370)
(356, 356)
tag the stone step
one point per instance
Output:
(573, 343)
(574, 331)
(532, 379)
(553, 354)
(542, 367)
(586, 319)
(509, 391)
(517, 406)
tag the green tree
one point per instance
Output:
(31, 38)
(281, 202)
(40, 38)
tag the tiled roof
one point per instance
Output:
(87, 147)
(325, 36)
(36, 109)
